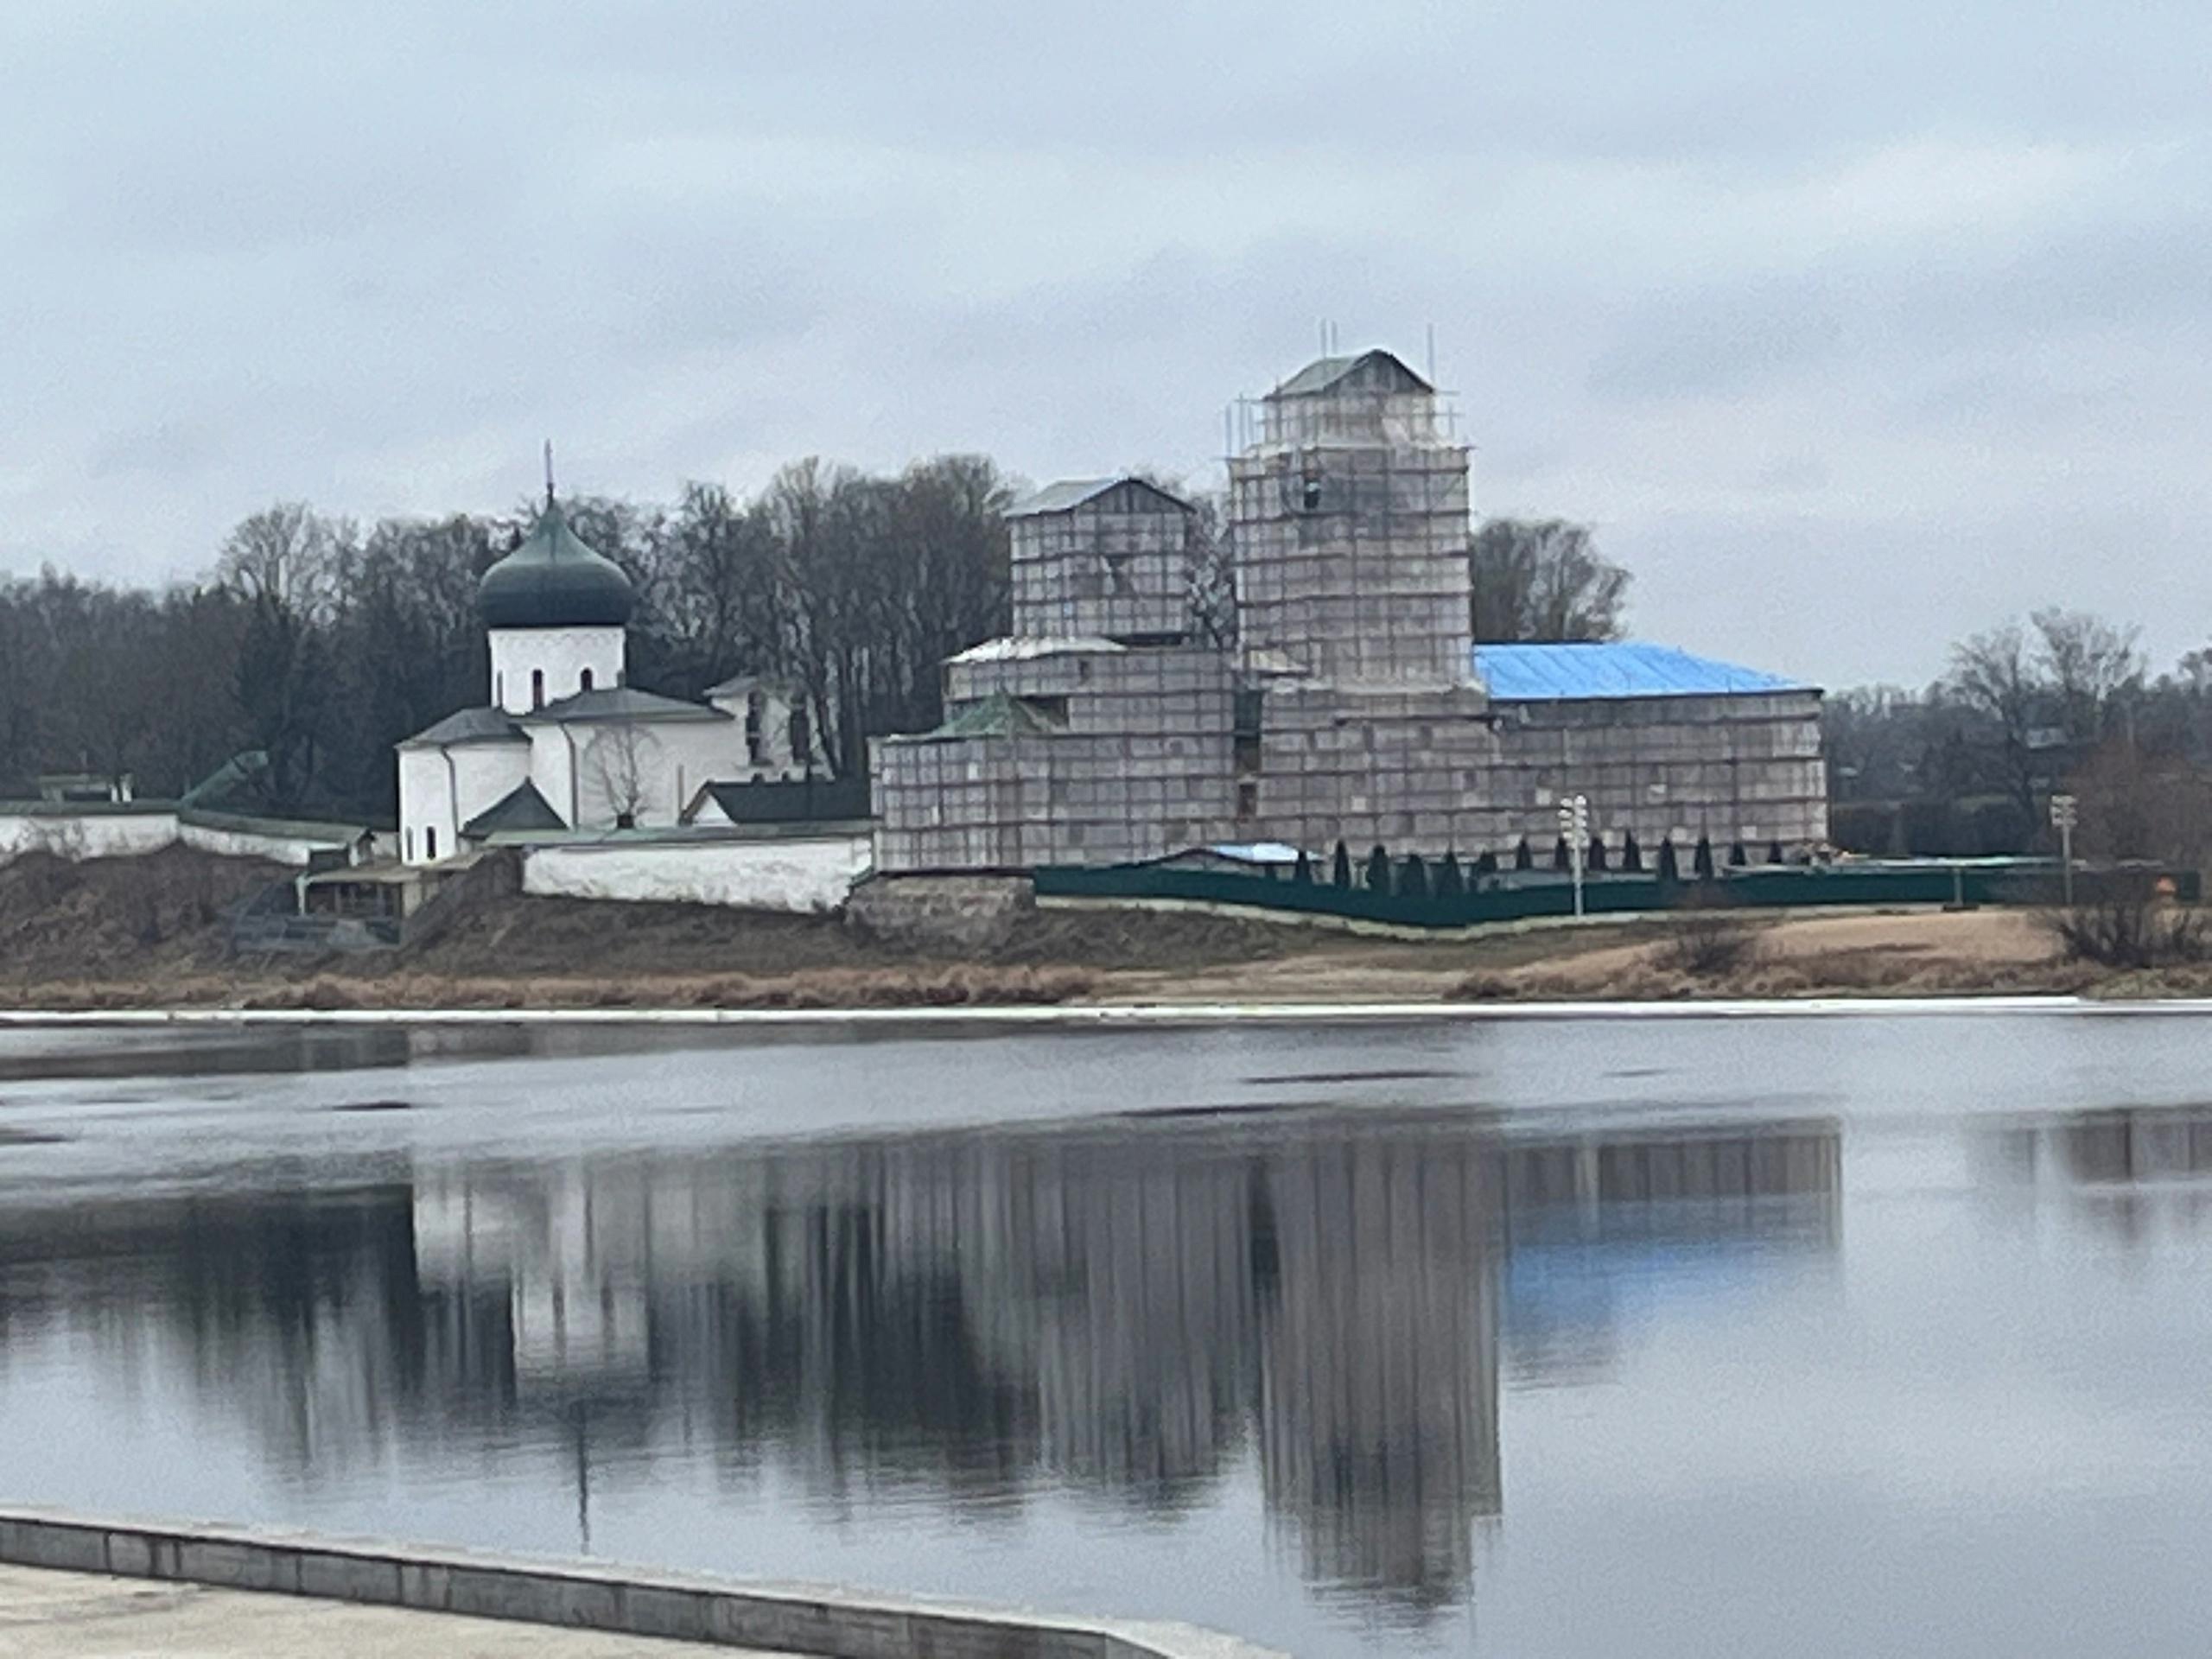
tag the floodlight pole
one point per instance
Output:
(2065, 813)
(1574, 826)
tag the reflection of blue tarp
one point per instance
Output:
(1569, 1281)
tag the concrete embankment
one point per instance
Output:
(813, 1620)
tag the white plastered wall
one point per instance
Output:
(442, 789)
(669, 760)
(806, 874)
(562, 655)
(90, 835)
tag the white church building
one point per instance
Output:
(566, 744)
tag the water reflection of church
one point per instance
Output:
(1145, 1316)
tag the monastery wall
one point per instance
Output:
(791, 872)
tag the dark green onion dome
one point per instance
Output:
(553, 580)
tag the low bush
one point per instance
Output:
(2130, 925)
(1707, 942)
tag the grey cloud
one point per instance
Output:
(371, 257)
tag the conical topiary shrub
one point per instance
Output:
(1412, 878)
(1378, 870)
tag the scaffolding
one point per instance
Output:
(1348, 510)
(1105, 731)
(1062, 752)
(1109, 559)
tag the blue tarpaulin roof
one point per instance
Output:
(1534, 673)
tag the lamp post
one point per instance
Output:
(2065, 813)
(1574, 826)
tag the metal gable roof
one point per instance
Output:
(624, 703)
(1323, 373)
(469, 725)
(1071, 492)
(1569, 672)
(521, 808)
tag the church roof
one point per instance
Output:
(554, 579)
(520, 808)
(1382, 372)
(469, 725)
(1001, 716)
(1072, 493)
(1553, 673)
(625, 702)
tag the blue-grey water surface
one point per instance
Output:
(1881, 1334)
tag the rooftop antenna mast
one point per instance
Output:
(548, 472)
(1431, 353)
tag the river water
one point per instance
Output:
(1877, 1334)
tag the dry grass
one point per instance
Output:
(955, 987)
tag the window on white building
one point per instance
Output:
(587, 679)
(537, 687)
(430, 845)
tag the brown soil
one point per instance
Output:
(151, 932)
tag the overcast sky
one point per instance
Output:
(1854, 325)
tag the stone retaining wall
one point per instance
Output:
(812, 1621)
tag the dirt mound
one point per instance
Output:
(158, 912)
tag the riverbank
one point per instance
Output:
(148, 933)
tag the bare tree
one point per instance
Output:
(283, 563)
(2093, 667)
(619, 761)
(1994, 674)
(1542, 581)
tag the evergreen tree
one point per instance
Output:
(1701, 860)
(1739, 855)
(1562, 855)
(1597, 855)
(1486, 864)
(1412, 878)
(1340, 874)
(1302, 871)
(1378, 870)
(1631, 855)
(1670, 868)
(1775, 855)
(1524, 856)
(1449, 884)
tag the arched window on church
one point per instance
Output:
(587, 679)
(756, 748)
(537, 687)
(802, 739)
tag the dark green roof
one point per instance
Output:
(553, 580)
(1376, 371)
(521, 808)
(469, 725)
(1001, 715)
(625, 702)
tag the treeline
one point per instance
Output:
(2065, 701)
(315, 643)
(318, 644)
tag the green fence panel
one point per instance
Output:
(1524, 896)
